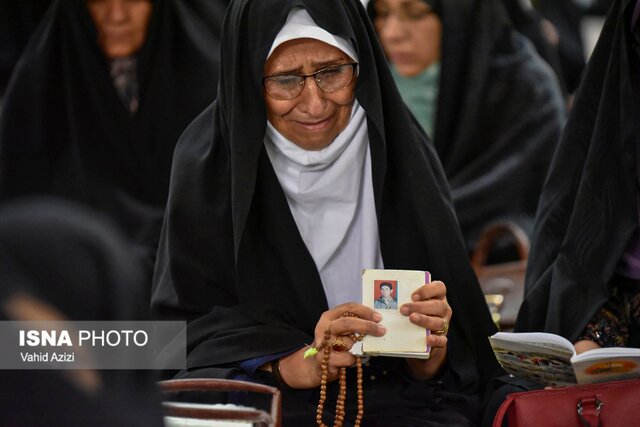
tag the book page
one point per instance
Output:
(385, 291)
(537, 340)
(228, 408)
(606, 352)
(607, 364)
(535, 356)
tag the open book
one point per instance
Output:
(551, 359)
(385, 291)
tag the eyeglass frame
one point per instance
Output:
(354, 66)
(406, 17)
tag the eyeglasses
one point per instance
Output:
(330, 79)
(409, 12)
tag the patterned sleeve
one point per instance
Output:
(610, 325)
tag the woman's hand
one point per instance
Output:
(299, 372)
(430, 310)
(585, 345)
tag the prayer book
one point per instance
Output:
(385, 291)
(551, 359)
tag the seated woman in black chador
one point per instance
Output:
(307, 169)
(95, 107)
(492, 106)
(583, 279)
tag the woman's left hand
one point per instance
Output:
(430, 310)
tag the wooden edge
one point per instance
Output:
(494, 231)
(208, 384)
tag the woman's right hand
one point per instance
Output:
(299, 372)
(585, 345)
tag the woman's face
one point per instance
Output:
(410, 34)
(121, 24)
(314, 118)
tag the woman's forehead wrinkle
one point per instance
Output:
(294, 60)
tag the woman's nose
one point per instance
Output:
(393, 28)
(117, 10)
(313, 98)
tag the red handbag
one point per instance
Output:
(608, 404)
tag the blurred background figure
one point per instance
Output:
(492, 106)
(99, 99)
(565, 17)
(530, 23)
(570, 33)
(59, 261)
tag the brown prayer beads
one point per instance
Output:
(342, 394)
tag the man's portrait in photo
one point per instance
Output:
(385, 295)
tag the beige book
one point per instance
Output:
(385, 291)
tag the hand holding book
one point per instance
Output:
(430, 310)
(552, 360)
(403, 314)
(416, 314)
(302, 369)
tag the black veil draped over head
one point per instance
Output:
(588, 211)
(529, 22)
(71, 264)
(566, 17)
(65, 131)
(231, 259)
(499, 115)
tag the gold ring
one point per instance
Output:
(445, 328)
(338, 345)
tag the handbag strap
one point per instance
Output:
(491, 234)
(588, 409)
(502, 411)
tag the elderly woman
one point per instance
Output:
(305, 170)
(98, 101)
(493, 107)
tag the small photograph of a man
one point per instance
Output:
(385, 295)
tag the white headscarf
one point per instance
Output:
(300, 25)
(330, 191)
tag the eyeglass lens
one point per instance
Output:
(330, 79)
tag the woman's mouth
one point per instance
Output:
(314, 125)
(400, 58)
